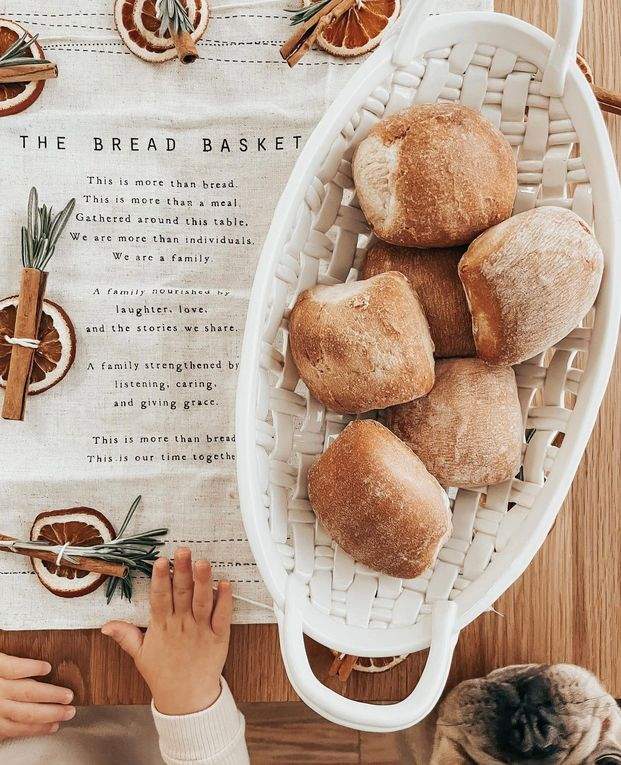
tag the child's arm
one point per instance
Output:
(181, 657)
(28, 707)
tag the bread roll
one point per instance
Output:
(433, 275)
(434, 175)
(529, 281)
(377, 501)
(468, 430)
(362, 345)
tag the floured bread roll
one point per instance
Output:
(468, 430)
(433, 275)
(529, 281)
(378, 502)
(362, 345)
(434, 175)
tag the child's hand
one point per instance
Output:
(28, 707)
(182, 654)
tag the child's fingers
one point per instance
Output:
(183, 581)
(127, 635)
(223, 611)
(14, 668)
(31, 690)
(202, 603)
(35, 714)
(10, 729)
(161, 590)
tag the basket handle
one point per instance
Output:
(410, 26)
(565, 47)
(355, 714)
(562, 55)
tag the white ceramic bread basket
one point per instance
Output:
(529, 86)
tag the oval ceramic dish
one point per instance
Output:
(529, 86)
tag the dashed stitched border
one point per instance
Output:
(36, 14)
(214, 563)
(31, 22)
(68, 25)
(327, 62)
(139, 578)
(59, 15)
(206, 41)
(235, 43)
(223, 563)
(247, 16)
(204, 541)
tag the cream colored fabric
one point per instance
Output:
(215, 736)
(127, 736)
(222, 134)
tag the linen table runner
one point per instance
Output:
(176, 172)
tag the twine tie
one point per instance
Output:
(61, 552)
(24, 342)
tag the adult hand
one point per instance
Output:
(182, 654)
(27, 706)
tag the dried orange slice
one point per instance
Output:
(56, 352)
(344, 664)
(17, 96)
(80, 527)
(139, 27)
(359, 29)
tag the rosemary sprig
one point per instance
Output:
(173, 15)
(303, 14)
(137, 552)
(43, 231)
(13, 55)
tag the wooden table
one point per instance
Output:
(566, 607)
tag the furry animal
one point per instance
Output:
(534, 714)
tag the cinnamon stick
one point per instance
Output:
(185, 45)
(304, 38)
(92, 565)
(28, 72)
(608, 100)
(27, 321)
(342, 666)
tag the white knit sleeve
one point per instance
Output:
(215, 736)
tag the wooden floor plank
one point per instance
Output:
(292, 733)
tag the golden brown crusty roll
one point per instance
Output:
(529, 281)
(434, 175)
(468, 430)
(378, 502)
(433, 275)
(362, 345)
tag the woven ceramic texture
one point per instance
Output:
(327, 246)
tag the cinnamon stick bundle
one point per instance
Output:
(174, 16)
(304, 38)
(185, 45)
(39, 239)
(92, 565)
(27, 320)
(40, 70)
